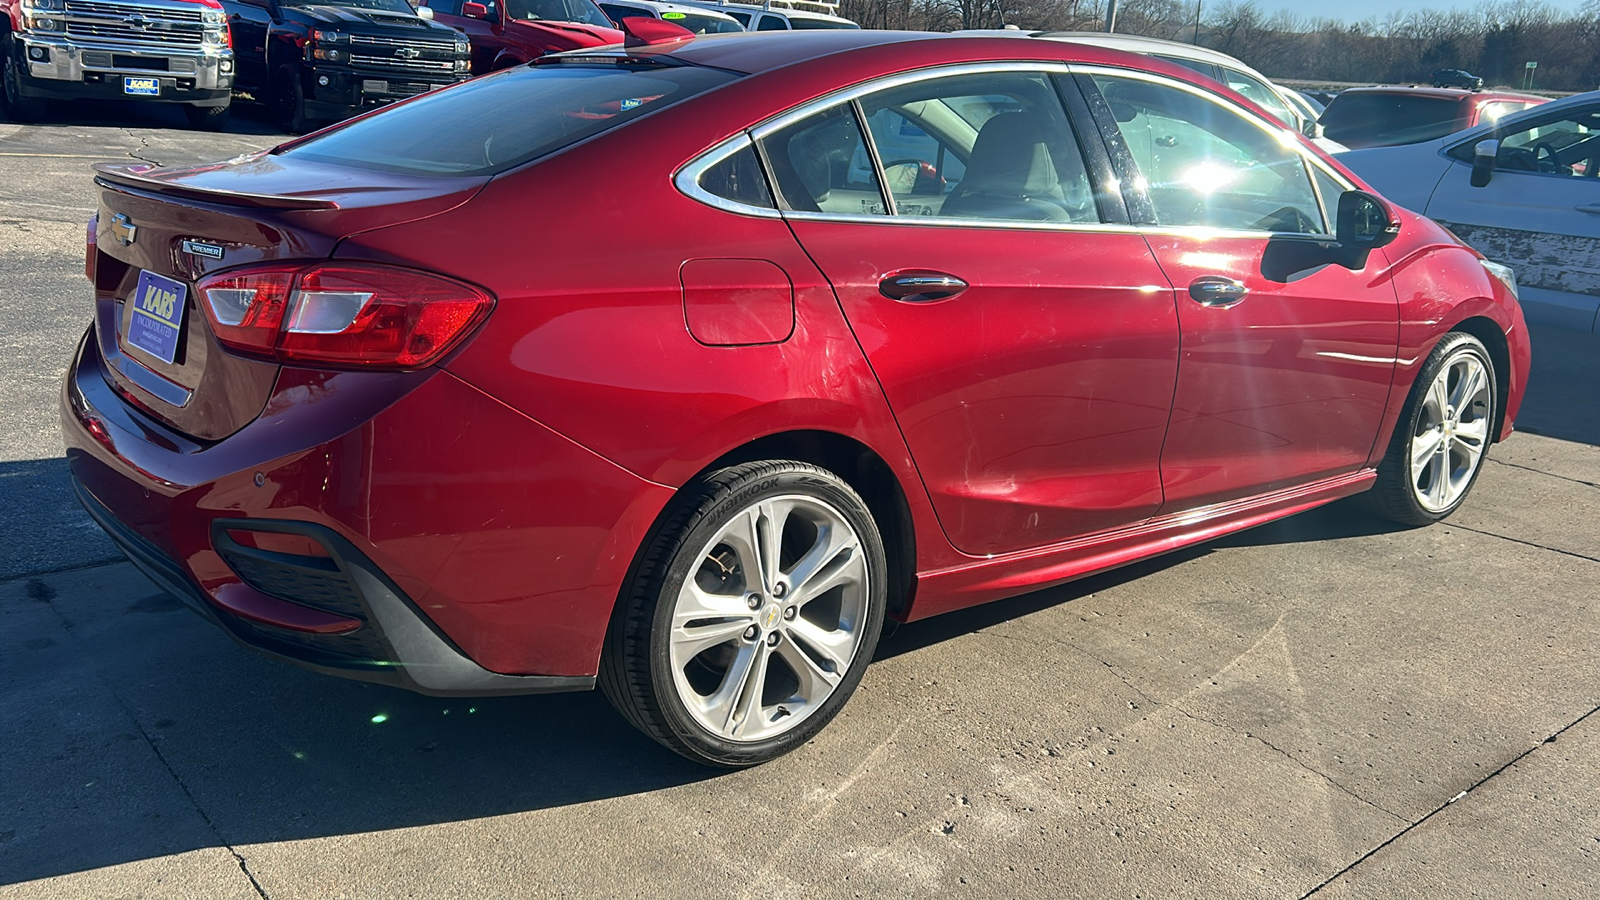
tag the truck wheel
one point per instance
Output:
(18, 107)
(207, 118)
(289, 102)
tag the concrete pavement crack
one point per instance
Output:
(1441, 807)
(1512, 465)
(144, 144)
(1536, 546)
(1186, 713)
(48, 598)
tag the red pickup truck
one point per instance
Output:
(511, 32)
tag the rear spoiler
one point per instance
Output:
(121, 177)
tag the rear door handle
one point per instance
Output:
(920, 286)
(1591, 208)
(1216, 291)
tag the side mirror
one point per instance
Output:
(425, 12)
(1311, 128)
(1365, 222)
(1484, 155)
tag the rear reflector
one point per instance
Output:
(90, 248)
(354, 315)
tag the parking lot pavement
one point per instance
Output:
(1320, 706)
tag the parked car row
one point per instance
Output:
(314, 61)
(938, 320)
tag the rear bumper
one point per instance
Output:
(61, 68)
(454, 546)
(389, 643)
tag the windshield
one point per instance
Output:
(394, 6)
(702, 24)
(493, 123)
(581, 11)
(1380, 120)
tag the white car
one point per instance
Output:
(780, 15)
(696, 19)
(1279, 101)
(1524, 191)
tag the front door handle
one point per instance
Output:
(920, 286)
(1592, 208)
(1217, 292)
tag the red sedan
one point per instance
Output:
(679, 367)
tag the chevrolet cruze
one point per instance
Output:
(679, 367)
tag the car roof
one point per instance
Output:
(663, 6)
(752, 53)
(1556, 107)
(1448, 93)
(785, 11)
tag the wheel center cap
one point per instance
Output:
(770, 616)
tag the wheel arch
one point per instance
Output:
(1488, 331)
(869, 475)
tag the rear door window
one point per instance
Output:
(1260, 93)
(491, 124)
(816, 164)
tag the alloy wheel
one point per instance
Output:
(767, 624)
(1451, 432)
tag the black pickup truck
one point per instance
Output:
(318, 61)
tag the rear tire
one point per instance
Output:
(18, 108)
(1439, 443)
(751, 616)
(207, 118)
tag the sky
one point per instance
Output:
(1356, 10)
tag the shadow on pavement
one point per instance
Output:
(245, 118)
(42, 526)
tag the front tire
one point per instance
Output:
(1442, 436)
(207, 118)
(20, 109)
(289, 102)
(752, 615)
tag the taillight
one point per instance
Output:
(342, 314)
(90, 248)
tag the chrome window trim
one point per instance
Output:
(783, 120)
(1286, 137)
(687, 180)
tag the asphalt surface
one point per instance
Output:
(1322, 707)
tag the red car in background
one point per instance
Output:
(508, 33)
(1386, 116)
(410, 400)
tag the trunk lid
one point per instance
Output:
(159, 231)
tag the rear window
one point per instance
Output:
(493, 123)
(1376, 120)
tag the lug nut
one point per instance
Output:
(789, 614)
(750, 633)
(753, 601)
(772, 639)
(779, 589)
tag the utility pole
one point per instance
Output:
(1196, 41)
(1111, 16)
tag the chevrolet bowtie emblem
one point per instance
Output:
(123, 229)
(408, 53)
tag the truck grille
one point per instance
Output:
(391, 54)
(133, 23)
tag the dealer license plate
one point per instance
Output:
(141, 87)
(157, 314)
